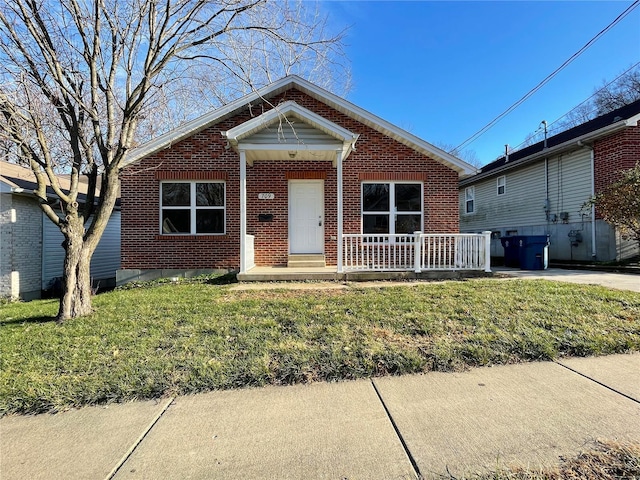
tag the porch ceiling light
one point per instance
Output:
(292, 153)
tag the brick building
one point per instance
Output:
(542, 189)
(278, 178)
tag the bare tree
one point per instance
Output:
(621, 91)
(468, 155)
(80, 79)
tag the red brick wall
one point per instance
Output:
(620, 151)
(376, 155)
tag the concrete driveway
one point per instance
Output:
(618, 281)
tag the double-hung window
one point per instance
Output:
(469, 200)
(192, 208)
(391, 208)
(501, 184)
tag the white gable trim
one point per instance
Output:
(240, 136)
(285, 109)
(340, 104)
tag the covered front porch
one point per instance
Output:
(292, 197)
(291, 188)
(386, 257)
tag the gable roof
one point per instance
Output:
(324, 96)
(329, 136)
(616, 120)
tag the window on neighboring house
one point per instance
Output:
(469, 200)
(192, 208)
(502, 185)
(391, 207)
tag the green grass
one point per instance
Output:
(605, 460)
(170, 339)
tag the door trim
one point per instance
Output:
(290, 227)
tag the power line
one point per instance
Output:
(484, 129)
(596, 93)
(594, 109)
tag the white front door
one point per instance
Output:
(306, 216)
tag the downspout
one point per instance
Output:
(593, 193)
(547, 203)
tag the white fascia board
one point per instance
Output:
(587, 137)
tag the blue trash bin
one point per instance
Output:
(511, 247)
(534, 252)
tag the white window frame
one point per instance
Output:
(470, 196)
(501, 181)
(193, 208)
(392, 208)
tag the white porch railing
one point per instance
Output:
(417, 252)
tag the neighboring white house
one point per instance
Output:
(541, 189)
(31, 253)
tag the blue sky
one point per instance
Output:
(442, 70)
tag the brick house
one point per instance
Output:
(278, 178)
(31, 253)
(542, 189)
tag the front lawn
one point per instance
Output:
(190, 337)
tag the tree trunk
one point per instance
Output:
(76, 280)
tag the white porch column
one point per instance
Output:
(487, 251)
(243, 212)
(339, 168)
(417, 251)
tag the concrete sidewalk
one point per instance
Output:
(416, 426)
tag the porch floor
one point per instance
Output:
(330, 273)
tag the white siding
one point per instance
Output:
(523, 202)
(300, 134)
(569, 186)
(570, 183)
(522, 207)
(105, 261)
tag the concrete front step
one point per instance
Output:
(304, 261)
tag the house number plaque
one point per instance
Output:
(266, 196)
